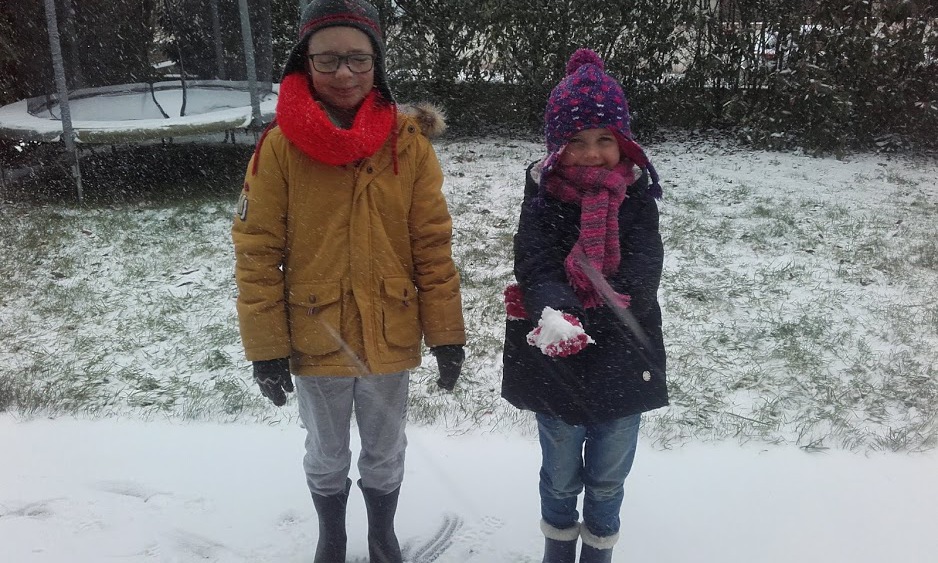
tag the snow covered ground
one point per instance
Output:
(800, 320)
(93, 491)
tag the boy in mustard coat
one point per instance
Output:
(344, 262)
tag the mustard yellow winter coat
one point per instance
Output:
(344, 268)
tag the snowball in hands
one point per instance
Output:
(558, 334)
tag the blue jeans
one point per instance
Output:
(597, 457)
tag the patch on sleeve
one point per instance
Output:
(243, 203)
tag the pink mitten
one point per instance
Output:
(559, 335)
(514, 307)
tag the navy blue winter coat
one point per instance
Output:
(623, 373)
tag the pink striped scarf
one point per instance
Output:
(599, 192)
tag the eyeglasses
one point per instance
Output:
(328, 63)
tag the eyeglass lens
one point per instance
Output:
(358, 62)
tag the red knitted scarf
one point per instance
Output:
(307, 126)
(599, 192)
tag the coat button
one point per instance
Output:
(646, 375)
(410, 129)
(369, 170)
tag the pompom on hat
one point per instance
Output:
(588, 98)
(359, 14)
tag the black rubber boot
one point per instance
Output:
(559, 545)
(383, 546)
(556, 551)
(597, 549)
(332, 535)
(590, 554)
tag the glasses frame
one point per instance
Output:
(342, 60)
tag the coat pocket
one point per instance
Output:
(315, 316)
(401, 314)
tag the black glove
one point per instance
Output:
(273, 377)
(449, 359)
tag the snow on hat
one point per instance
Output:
(588, 98)
(359, 14)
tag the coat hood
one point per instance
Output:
(430, 118)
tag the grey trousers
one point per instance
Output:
(380, 405)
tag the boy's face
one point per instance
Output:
(342, 89)
(591, 147)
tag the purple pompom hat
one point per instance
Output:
(588, 98)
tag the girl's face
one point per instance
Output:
(342, 89)
(591, 147)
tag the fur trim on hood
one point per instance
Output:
(430, 118)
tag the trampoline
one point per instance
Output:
(137, 112)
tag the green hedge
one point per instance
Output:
(846, 74)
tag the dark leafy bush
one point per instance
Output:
(826, 76)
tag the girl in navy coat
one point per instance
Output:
(583, 344)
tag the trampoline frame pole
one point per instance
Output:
(249, 63)
(68, 133)
(221, 72)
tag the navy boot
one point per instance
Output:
(597, 549)
(559, 545)
(383, 546)
(332, 535)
